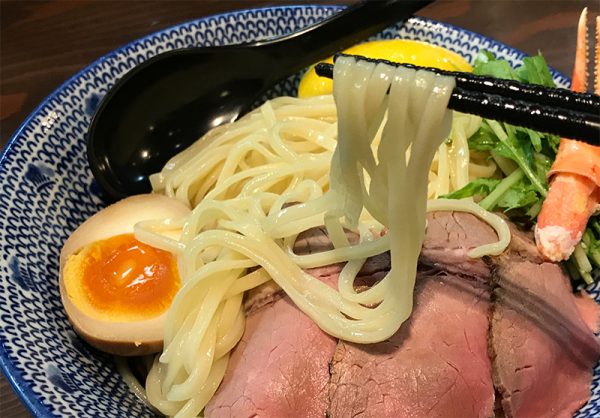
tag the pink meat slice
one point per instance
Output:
(533, 342)
(436, 365)
(280, 368)
(543, 347)
(541, 341)
(450, 236)
(589, 310)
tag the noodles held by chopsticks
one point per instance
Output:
(256, 184)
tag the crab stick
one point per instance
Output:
(574, 177)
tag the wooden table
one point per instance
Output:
(43, 43)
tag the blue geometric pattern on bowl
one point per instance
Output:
(47, 190)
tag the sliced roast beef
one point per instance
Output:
(451, 235)
(436, 365)
(280, 368)
(543, 348)
(557, 342)
(315, 240)
(589, 310)
(448, 239)
(509, 322)
(312, 241)
(261, 296)
(542, 343)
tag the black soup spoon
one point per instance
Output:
(166, 103)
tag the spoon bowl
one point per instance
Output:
(168, 102)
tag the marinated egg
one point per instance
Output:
(115, 289)
(396, 50)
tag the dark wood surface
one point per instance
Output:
(43, 43)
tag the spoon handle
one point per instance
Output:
(342, 30)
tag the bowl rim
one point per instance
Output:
(8, 369)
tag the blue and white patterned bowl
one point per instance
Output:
(47, 190)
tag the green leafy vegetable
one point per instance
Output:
(491, 201)
(525, 157)
(519, 149)
(487, 64)
(521, 195)
(532, 152)
(535, 70)
(484, 139)
(478, 187)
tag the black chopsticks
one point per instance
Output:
(552, 110)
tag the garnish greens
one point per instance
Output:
(524, 156)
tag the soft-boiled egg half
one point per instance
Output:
(115, 289)
(395, 50)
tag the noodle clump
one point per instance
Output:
(258, 183)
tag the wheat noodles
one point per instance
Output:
(256, 184)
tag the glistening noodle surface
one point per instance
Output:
(256, 184)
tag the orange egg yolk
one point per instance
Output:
(123, 278)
